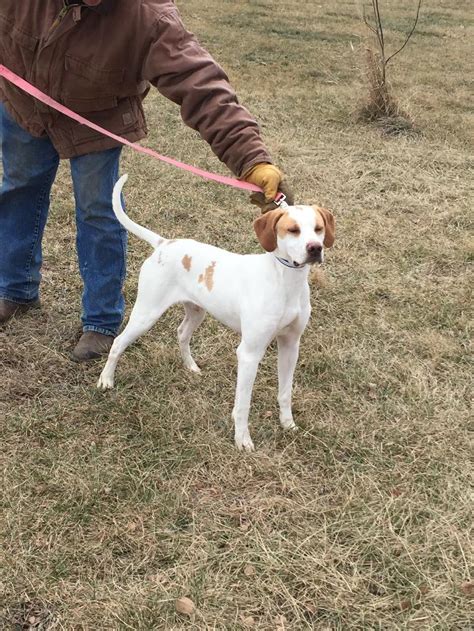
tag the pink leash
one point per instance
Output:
(47, 100)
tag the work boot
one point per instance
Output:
(8, 308)
(92, 345)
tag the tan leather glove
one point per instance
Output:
(269, 178)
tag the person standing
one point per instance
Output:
(100, 58)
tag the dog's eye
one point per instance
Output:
(294, 230)
(317, 229)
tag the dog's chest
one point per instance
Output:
(288, 316)
(291, 303)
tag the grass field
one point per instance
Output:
(116, 504)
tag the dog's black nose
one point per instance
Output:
(314, 248)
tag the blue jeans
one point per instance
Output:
(29, 168)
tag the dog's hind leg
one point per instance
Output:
(193, 317)
(140, 322)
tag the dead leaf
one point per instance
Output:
(244, 524)
(467, 588)
(372, 390)
(405, 604)
(311, 608)
(249, 570)
(185, 606)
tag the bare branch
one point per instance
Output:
(409, 34)
(365, 20)
(378, 26)
(379, 21)
(381, 37)
(369, 26)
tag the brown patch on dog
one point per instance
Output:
(208, 277)
(186, 261)
(329, 224)
(265, 228)
(319, 219)
(287, 224)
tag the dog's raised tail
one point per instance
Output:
(143, 233)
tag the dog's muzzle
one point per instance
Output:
(315, 253)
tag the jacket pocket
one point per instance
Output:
(96, 104)
(127, 116)
(17, 48)
(82, 80)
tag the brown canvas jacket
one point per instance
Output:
(101, 61)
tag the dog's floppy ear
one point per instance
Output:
(329, 227)
(265, 229)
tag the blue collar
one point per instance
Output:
(288, 264)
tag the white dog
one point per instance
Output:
(262, 296)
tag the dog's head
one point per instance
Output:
(297, 233)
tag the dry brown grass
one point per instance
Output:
(114, 505)
(381, 107)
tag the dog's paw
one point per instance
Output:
(288, 424)
(191, 365)
(244, 443)
(105, 382)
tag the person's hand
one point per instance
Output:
(270, 179)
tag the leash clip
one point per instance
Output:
(280, 200)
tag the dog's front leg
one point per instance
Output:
(288, 349)
(249, 356)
